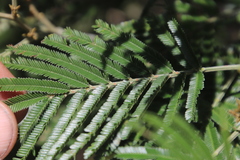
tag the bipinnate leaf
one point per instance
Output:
(110, 80)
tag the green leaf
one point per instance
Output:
(97, 120)
(97, 45)
(32, 138)
(167, 39)
(195, 18)
(47, 70)
(78, 120)
(71, 108)
(117, 118)
(220, 113)
(143, 104)
(133, 44)
(61, 60)
(212, 137)
(206, 2)
(179, 139)
(182, 7)
(86, 55)
(32, 118)
(122, 76)
(175, 99)
(124, 57)
(196, 85)
(21, 102)
(33, 85)
(143, 153)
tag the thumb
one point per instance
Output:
(9, 130)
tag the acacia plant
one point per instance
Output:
(137, 90)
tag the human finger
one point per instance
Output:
(9, 130)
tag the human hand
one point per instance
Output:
(8, 120)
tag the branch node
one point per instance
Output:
(31, 34)
(14, 10)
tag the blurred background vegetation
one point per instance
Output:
(81, 14)
(77, 14)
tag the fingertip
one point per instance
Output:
(8, 122)
(4, 72)
(9, 130)
(20, 114)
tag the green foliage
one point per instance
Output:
(33, 85)
(93, 94)
(190, 145)
(195, 85)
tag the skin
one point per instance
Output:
(8, 120)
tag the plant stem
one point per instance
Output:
(234, 135)
(6, 16)
(14, 2)
(221, 68)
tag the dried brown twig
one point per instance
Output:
(43, 19)
(31, 31)
(16, 18)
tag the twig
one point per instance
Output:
(14, 16)
(221, 68)
(42, 18)
(6, 15)
(14, 2)
(17, 20)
